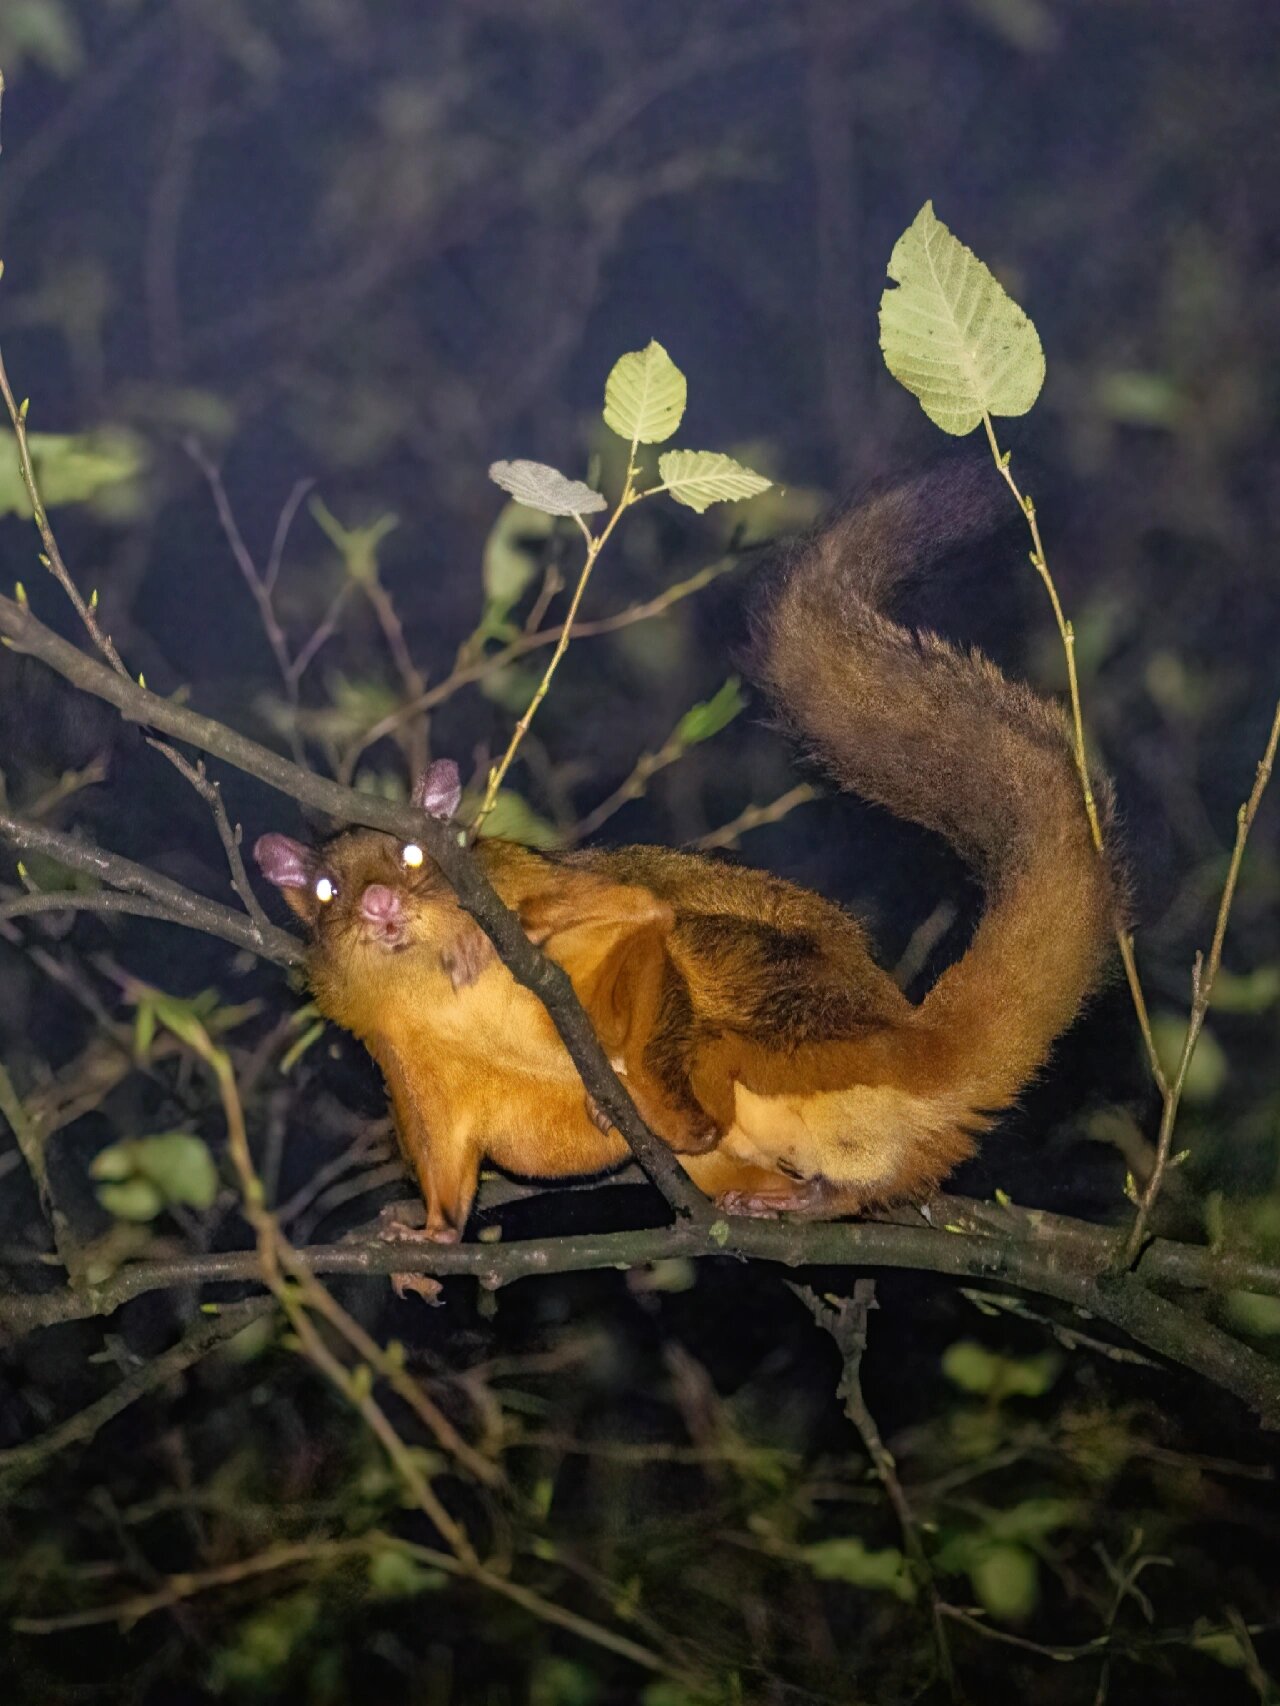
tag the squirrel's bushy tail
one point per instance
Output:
(939, 736)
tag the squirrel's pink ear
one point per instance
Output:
(284, 862)
(438, 791)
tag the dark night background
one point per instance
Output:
(375, 245)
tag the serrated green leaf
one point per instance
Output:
(700, 478)
(952, 335)
(541, 487)
(644, 395)
(700, 722)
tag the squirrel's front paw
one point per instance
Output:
(469, 953)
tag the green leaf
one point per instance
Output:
(700, 478)
(264, 1643)
(973, 1368)
(1220, 1644)
(1254, 1312)
(1250, 992)
(514, 819)
(176, 1164)
(541, 487)
(644, 396)
(511, 556)
(952, 335)
(849, 1560)
(1140, 399)
(562, 1682)
(135, 1199)
(700, 722)
(79, 469)
(1006, 1580)
(294, 1053)
(1033, 1519)
(43, 31)
(1208, 1070)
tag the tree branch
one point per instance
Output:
(541, 976)
(163, 898)
(1074, 1273)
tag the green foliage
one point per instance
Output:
(561, 1682)
(357, 546)
(999, 1557)
(703, 721)
(1208, 1068)
(42, 31)
(510, 561)
(952, 335)
(396, 1574)
(514, 819)
(190, 1018)
(265, 1644)
(974, 1368)
(143, 1175)
(101, 469)
(848, 1559)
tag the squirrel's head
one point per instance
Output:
(366, 897)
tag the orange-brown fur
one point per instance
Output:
(755, 1032)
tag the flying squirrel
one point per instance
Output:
(753, 1029)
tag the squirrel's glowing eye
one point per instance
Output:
(412, 855)
(324, 891)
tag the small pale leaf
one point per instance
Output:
(700, 722)
(951, 333)
(700, 478)
(541, 487)
(644, 395)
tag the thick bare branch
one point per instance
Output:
(1076, 1276)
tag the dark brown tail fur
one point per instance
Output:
(938, 735)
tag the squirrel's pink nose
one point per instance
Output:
(380, 904)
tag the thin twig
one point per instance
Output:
(30, 1137)
(187, 1585)
(481, 669)
(1203, 975)
(595, 544)
(845, 1320)
(755, 817)
(1040, 562)
(163, 897)
(87, 612)
(20, 1463)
